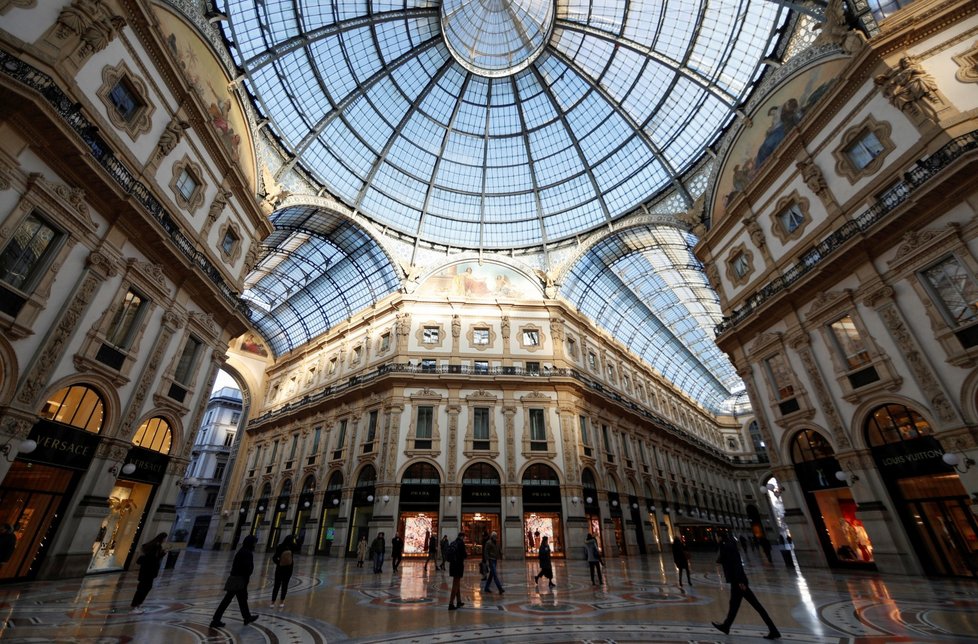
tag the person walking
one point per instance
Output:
(397, 551)
(492, 557)
(149, 567)
(681, 558)
(483, 564)
(361, 551)
(443, 547)
(432, 551)
(456, 566)
(237, 584)
(766, 548)
(546, 565)
(594, 561)
(377, 550)
(733, 571)
(284, 559)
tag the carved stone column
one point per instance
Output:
(939, 402)
(395, 409)
(802, 345)
(509, 428)
(747, 375)
(454, 408)
(815, 180)
(171, 323)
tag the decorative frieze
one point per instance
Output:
(803, 348)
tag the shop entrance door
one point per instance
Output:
(947, 529)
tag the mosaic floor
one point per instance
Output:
(331, 600)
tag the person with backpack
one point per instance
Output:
(593, 556)
(284, 559)
(546, 565)
(456, 566)
(149, 567)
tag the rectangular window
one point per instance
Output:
(533, 368)
(611, 372)
(531, 338)
(625, 449)
(357, 353)
(187, 362)
(741, 264)
(122, 329)
(228, 439)
(864, 149)
(780, 377)
(571, 347)
(791, 218)
(295, 445)
(235, 417)
(626, 382)
(849, 343)
(28, 252)
(606, 438)
(423, 431)
(481, 366)
(538, 429)
(480, 336)
(332, 367)
(480, 426)
(186, 184)
(229, 242)
(274, 452)
(428, 365)
(592, 361)
(124, 100)
(219, 470)
(585, 435)
(429, 335)
(372, 427)
(954, 288)
(317, 435)
(385, 342)
(340, 440)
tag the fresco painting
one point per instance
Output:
(474, 280)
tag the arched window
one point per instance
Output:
(421, 474)
(540, 474)
(895, 423)
(154, 434)
(809, 446)
(78, 405)
(248, 493)
(368, 477)
(266, 490)
(309, 486)
(587, 480)
(480, 474)
(286, 488)
(758, 441)
(335, 482)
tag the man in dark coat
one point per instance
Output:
(377, 550)
(733, 570)
(397, 551)
(456, 566)
(237, 583)
(149, 567)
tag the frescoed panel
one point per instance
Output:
(472, 280)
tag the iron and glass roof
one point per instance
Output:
(647, 288)
(499, 123)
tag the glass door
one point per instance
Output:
(949, 535)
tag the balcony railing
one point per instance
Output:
(888, 201)
(101, 151)
(391, 368)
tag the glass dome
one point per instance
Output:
(499, 123)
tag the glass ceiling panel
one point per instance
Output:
(318, 269)
(646, 287)
(450, 108)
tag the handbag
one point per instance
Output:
(483, 568)
(235, 583)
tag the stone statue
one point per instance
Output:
(908, 87)
(812, 176)
(171, 136)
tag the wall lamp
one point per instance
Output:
(589, 500)
(336, 501)
(127, 469)
(575, 500)
(614, 502)
(306, 504)
(26, 447)
(512, 500)
(846, 477)
(370, 498)
(386, 499)
(952, 459)
(450, 500)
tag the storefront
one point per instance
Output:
(129, 503)
(330, 514)
(592, 509)
(481, 505)
(653, 521)
(301, 527)
(417, 517)
(279, 528)
(38, 487)
(542, 510)
(617, 519)
(830, 504)
(261, 510)
(928, 494)
(362, 511)
(635, 510)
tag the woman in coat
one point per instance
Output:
(149, 567)
(546, 565)
(681, 558)
(284, 559)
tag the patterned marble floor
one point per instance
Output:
(331, 600)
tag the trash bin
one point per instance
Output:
(171, 559)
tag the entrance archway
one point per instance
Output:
(542, 509)
(481, 505)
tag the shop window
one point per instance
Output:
(809, 446)
(154, 434)
(538, 430)
(78, 406)
(423, 429)
(480, 428)
(480, 336)
(25, 259)
(953, 287)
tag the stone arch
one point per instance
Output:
(787, 439)
(9, 371)
(969, 398)
(111, 407)
(176, 426)
(864, 411)
(548, 464)
(427, 461)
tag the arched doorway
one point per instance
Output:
(653, 521)
(617, 519)
(929, 497)
(363, 508)
(481, 500)
(542, 510)
(418, 512)
(261, 508)
(592, 509)
(304, 509)
(331, 512)
(279, 521)
(242, 515)
(37, 489)
(841, 535)
(133, 494)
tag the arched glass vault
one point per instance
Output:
(499, 124)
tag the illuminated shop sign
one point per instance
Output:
(62, 446)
